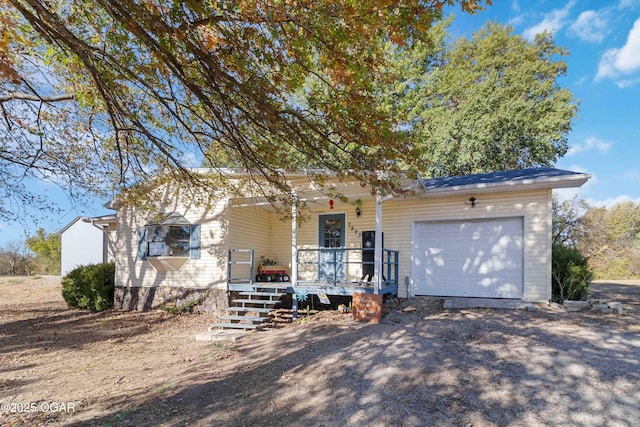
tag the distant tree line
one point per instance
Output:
(15, 260)
(39, 254)
(609, 238)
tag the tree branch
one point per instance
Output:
(16, 96)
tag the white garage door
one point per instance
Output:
(468, 258)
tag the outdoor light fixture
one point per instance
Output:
(358, 211)
(471, 201)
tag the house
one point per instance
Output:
(486, 235)
(85, 241)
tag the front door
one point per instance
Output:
(331, 236)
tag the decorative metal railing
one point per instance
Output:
(345, 266)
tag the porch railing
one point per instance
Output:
(240, 266)
(332, 266)
(344, 266)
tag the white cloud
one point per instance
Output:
(591, 143)
(591, 26)
(552, 21)
(624, 83)
(581, 81)
(625, 60)
(612, 201)
(564, 194)
(516, 21)
(627, 3)
(633, 175)
(569, 193)
(515, 6)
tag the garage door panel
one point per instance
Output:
(455, 266)
(469, 258)
(455, 285)
(453, 246)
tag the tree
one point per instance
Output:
(610, 237)
(566, 221)
(14, 260)
(46, 247)
(488, 103)
(123, 89)
(570, 272)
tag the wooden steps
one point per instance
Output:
(251, 311)
(255, 301)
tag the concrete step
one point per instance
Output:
(233, 326)
(220, 335)
(250, 309)
(465, 302)
(255, 319)
(255, 301)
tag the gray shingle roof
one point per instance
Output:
(510, 176)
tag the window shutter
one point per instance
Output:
(194, 244)
(142, 244)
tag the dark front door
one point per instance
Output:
(331, 236)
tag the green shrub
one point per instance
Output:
(570, 275)
(90, 287)
(187, 307)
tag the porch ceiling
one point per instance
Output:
(315, 198)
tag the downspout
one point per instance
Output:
(294, 258)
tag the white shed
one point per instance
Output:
(84, 241)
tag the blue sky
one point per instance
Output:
(603, 39)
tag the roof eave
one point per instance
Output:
(546, 183)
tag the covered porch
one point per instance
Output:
(329, 248)
(332, 271)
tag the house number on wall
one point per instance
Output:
(354, 230)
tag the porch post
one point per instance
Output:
(294, 258)
(377, 253)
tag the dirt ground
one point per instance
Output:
(421, 366)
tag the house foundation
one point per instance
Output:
(151, 298)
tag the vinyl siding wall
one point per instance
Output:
(399, 216)
(262, 230)
(209, 271)
(270, 236)
(249, 228)
(308, 237)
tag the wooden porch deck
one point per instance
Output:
(344, 289)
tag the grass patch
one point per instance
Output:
(164, 387)
(187, 307)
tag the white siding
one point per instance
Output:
(81, 243)
(208, 271)
(260, 229)
(398, 217)
(280, 242)
(249, 228)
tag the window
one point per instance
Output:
(171, 236)
(168, 240)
